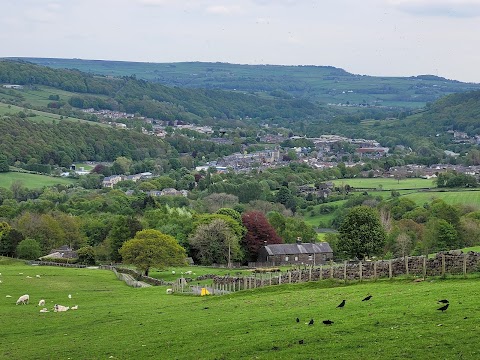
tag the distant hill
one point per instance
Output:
(326, 84)
(158, 101)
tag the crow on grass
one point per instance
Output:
(327, 322)
(311, 322)
(297, 320)
(444, 301)
(342, 304)
(443, 308)
(367, 298)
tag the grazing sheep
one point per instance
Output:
(173, 272)
(41, 303)
(37, 276)
(69, 296)
(29, 277)
(0, 281)
(60, 308)
(8, 295)
(169, 291)
(188, 272)
(24, 299)
(74, 307)
(44, 310)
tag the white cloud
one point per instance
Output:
(443, 8)
(153, 2)
(223, 10)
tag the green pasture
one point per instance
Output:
(114, 321)
(466, 197)
(385, 183)
(40, 116)
(31, 180)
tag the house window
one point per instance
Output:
(286, 258)
(310, 257)
(296, 258)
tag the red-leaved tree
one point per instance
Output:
(259, 233)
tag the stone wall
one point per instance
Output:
(453, 263)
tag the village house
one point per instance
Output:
(110, 181)
(63, 252)
(295, 254)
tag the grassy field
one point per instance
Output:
(40, 116)
(31, 180)
(466, 197)
(118, 322)
(386, 183)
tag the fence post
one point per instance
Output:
(331, 269)
(406, 265)
(424, 267)
(321, 272)
(464, 265)
(270, 279)
(299, 276)
(310, 274)
(390, 268)
(375, 270)
(345, 270)
(289, 277)
(280, 278)
(443, 264)
(360, 270)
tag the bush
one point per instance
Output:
(86, 255)
(29, 249)
(61, 260)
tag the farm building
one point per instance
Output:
(63, 252)
(295, 254)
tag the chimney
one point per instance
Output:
(299, 240)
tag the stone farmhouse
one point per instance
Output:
(296, 254)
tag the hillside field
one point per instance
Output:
(385, 183)
(118, 322)
(31, 180)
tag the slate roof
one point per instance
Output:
(302, 248)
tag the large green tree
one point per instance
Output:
(215, 242)
(151, 248)
(361, 234)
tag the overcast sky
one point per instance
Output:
(373, 37)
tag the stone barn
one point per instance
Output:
(296, 254)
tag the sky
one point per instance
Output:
(368, 37)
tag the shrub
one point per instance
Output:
(29, 249)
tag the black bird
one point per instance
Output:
(342, 304)
(310, 322)
(444, 301)
(298, 320)
(300, 342)
(327, 322)
(443, 308)
(367, 298)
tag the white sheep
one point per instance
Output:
(74, 307)
(60, 308)
(8, 296)
(44, 310)
(37, 276)
(29, 277)
(173, 272)
(41, 303)
(188, 272)
(24, 299)
(69, 296)
(169, 291)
